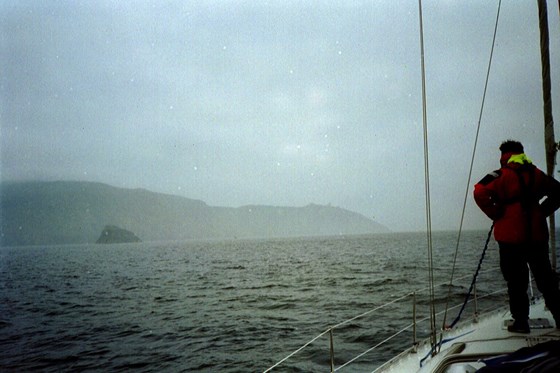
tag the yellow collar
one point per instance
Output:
(519, 158)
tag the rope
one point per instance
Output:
(374, 347)
(474, 278)
(372, 310)
(427, 184)
(398, 299)
(298, 350)
(472, 158)
(337, 326)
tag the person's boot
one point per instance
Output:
(519, 326)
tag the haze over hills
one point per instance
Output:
(45, 213)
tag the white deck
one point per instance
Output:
(467, 344)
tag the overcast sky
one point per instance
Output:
(278, 102)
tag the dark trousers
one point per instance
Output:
(514, 259)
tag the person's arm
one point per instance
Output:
(552, 201)
(486, 198)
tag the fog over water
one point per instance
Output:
(279, 103)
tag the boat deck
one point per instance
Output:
(463, 348)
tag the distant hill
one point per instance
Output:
(42, 213)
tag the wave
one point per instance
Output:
(193, 310)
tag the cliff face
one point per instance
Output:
(43, 213)
(114, 234)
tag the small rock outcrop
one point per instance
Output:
(114, 234)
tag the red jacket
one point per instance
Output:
(518, 198)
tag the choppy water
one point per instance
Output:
(228, 306)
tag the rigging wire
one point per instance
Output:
(473, 282)
(472, 161)
(427, 186)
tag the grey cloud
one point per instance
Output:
(284, 104)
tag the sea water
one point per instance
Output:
(225, 306)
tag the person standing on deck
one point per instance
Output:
(518, 198)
